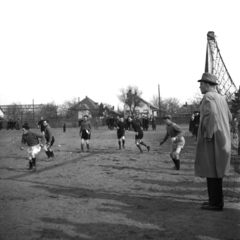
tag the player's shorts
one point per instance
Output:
(139, 135)
(85, 135)
(52, 141)
(120, 134)
(178, 143)
(33, 151)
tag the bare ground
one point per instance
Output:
(110, 194)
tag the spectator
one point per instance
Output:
(213, 150)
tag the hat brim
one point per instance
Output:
(206, 81)
(164, 118)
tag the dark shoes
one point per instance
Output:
(207, 206)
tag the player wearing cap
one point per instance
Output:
(178, 141)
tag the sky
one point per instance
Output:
(58, 50)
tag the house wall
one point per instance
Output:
(82, 113)
(145, 109)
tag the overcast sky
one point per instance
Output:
(58, 50)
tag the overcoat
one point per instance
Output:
(212, 159)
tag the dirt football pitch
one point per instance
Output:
(110, 194)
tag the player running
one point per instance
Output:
(49, 139)
(178, 141)
(31, 139)
(121, 127)
(138, 134)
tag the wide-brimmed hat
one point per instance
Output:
(25, 126)
(167, 117)
(209, 78)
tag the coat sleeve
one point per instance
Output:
(210, 117)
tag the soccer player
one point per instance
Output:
(138, 134)
(85, 132)
(121, 127)
(178, 141)
(31, 139)
(49, 139)
(40, 125)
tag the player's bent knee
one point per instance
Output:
(175, 155)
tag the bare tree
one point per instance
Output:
(170, 106)
(49, 110)
(14, 110)
(67, 109)
(196, 100)
(131, 97)
(167, 105)
(155, 100)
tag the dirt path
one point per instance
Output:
(109, 194)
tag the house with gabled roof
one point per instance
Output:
(188, 109)
(146, 108)
(87, 107)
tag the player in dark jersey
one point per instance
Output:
(41, 126)
(139, 134)
(85, 132)
(121, 127)
(49, 139)
(31, 139)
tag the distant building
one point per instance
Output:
(188, 109)
(87, 107)
(111, 112)
(146, 109)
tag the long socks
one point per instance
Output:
(34, 162)
(140, 148)
(176, 163)
(145, 145)
(123, 143)
(48, 153)
(119, 143)
(30, 164)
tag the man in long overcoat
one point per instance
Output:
(213, 150)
